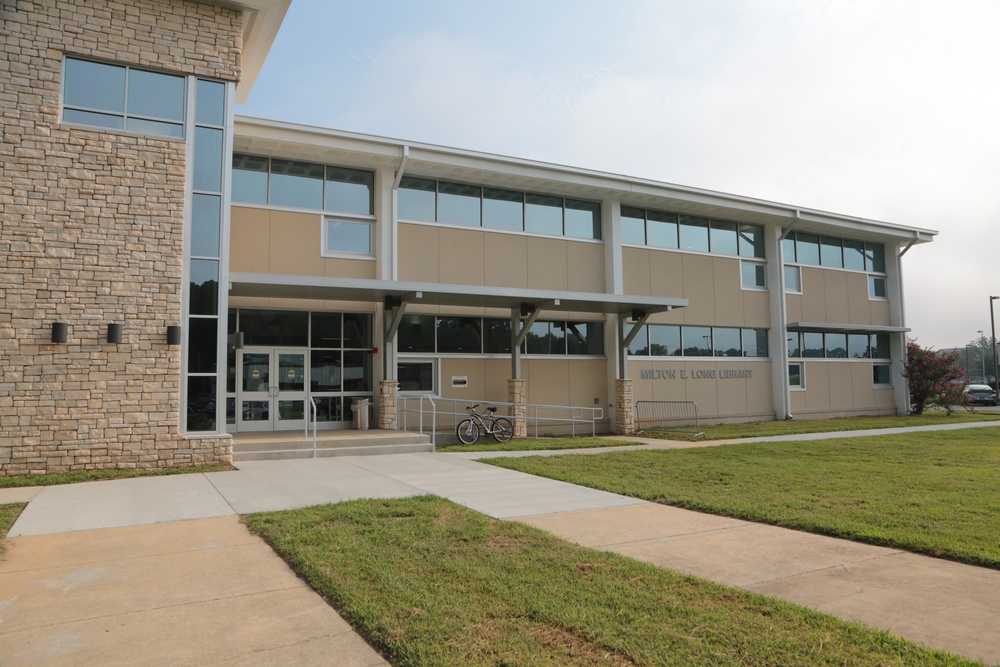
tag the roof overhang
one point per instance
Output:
(438, 294)
(271, 138)
(845, 328)
(261, 20)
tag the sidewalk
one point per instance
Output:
(940, 603)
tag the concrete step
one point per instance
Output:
(282, 447)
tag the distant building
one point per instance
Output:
(294, 265)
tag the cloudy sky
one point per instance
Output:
(885, 109)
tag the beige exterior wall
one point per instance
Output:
(92, 233)
(719, 398)
(711, 283)
(286, 243)
(840, 388)
(836, 296)
(432, 253)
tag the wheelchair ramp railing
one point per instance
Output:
(438, 417)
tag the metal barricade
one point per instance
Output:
(668, 417)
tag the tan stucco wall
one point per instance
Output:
(481, 257)
(718, 398)
(836, 388)
(840, 297)
(286, 243)
(711, 283)
(92, 233)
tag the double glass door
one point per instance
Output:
(272, 389)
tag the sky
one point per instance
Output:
(882, 109)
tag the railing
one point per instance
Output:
(434, 415)
(668, 417)
(315, 416)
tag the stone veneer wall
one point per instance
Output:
(91, 232)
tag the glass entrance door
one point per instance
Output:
(271, 390)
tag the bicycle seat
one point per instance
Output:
(492, 409)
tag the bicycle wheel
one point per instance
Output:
(502, 430)
(467, 432)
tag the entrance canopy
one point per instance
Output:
(439, 294)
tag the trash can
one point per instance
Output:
(360, 409)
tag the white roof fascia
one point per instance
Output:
(445, 157)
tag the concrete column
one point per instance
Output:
(387, 405)
(517, 393)
(624, 407)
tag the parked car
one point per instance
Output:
(980, 394)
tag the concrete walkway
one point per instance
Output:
(91, 535)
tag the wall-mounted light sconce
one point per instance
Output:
(114, 333)
(173, 334)
(236, 340)
(59, 332)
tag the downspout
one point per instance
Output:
(394, 218)
(782, 318)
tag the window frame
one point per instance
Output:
(435, 375)
(882, 385)
(124, 113)
(327, 251)
(757, 264)
(801, 386)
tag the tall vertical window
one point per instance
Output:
(204, 266)
(119, 97)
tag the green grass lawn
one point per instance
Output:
(936, 493)
(97, 475)
(8, 515)
(793, 426)
(428, 582)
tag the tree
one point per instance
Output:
(934, 378)
(979, 358)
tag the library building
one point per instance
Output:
(175, 276)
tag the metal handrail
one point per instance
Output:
(315, 416)
(427, 403)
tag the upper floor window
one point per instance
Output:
(427, 200)
(837, 345)
(833, 252)
(119, 97)
(261, 180)
(489, 335)
(661, 229)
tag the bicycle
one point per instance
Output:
(469, 430)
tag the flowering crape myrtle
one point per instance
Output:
(934, 378)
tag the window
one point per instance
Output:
(693, 233)
(460, 334)
(426, 200)
(796, 376)
(882, 375)
(697, 341)
(662, 229)
(723, 238)
(417, 199)
(831, 252)
(117, 97)
(793, 279)
(503, 209)
(633, 225)
(346, 236)
(585, 338)
(349, 190)
(837, 345)
(417, 376)
(583, 219)
(876, 288)
(726, 342)
(261, 180)
(754, 274)
(459, 204)
(755, 343)
(543, 215)
(664, 340)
